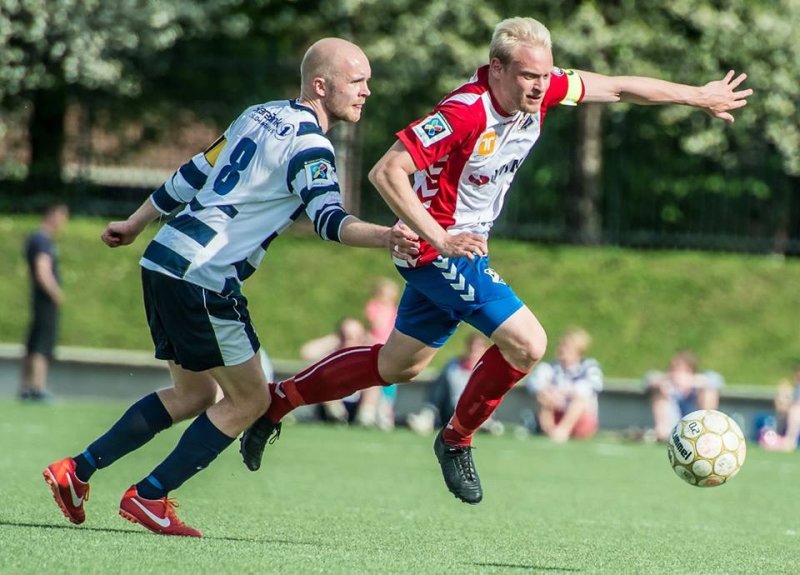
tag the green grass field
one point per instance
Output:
(334, 500)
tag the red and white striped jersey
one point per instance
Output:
(468, 150)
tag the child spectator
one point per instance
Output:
(566, 390)
(680, 390)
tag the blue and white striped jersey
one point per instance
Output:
(272, 163)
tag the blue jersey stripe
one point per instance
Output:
(168, 259)
(297, 212)
(229, 211)
(332, 227)
(243, 269)
(308, 195)
(194, 228)
(266, 242)
(195, 206)
(309, 128)
(164, 201)
(192, 174)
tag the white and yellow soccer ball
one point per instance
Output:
(706, 448)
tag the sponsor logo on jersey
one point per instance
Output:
(487, 143)
(319, 173)
(284, 131)
(432, 129)
(526, 124)
(494, 275)
(507, 168)
(271, 122)
(479, 179)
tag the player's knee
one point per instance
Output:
(254, 405)
(527, 352)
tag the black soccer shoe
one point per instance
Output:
(255, 439)
(458, 470)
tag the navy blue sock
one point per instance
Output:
(136, 427)
(200, 444)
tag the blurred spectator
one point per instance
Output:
(349, 332)
(680, 390)
(444, 391)
(783, 432)
(377, 403)
(46, 298)
(566, 390)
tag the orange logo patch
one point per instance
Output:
(487, 143)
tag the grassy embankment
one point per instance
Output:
(739, 313)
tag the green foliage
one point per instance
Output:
(339, 500)
(737, 312)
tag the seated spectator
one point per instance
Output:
(349, 332)
(784, 433)
(566, 390)
(680, 390)
(444, 391)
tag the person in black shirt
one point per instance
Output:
(46, 298)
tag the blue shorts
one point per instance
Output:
(197, 328)
(440, 295)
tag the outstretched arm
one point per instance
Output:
(123, 233)
(399, 239)
(718, 98)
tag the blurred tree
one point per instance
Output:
(53, 49)
(688, 41)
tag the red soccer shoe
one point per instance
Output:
(68, 491)
(157, 515)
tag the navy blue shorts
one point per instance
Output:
(195, 327)
(440, 295)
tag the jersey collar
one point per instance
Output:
(483, 79)
(298, 106)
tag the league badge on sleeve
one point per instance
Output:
(319, 173)
(432, 129)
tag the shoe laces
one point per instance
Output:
(170, 505)
(266, 431)
(464, 462)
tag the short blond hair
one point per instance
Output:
(578, 338)
(513, 31)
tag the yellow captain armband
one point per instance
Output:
(574, 88)
(214, 150)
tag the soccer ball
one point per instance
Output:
(706, 448)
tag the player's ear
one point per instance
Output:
(320, 86)
(495, 67)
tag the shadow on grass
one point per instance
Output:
(144, 531)
(526, 567)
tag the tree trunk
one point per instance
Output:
(46, 132)
(584, 222)
(347, 141)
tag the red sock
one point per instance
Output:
(338, 375)
(491, 379)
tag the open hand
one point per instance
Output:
(719, 98)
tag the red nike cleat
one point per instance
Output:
(157, 515)
(68, 491)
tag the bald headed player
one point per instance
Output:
(271, 164)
